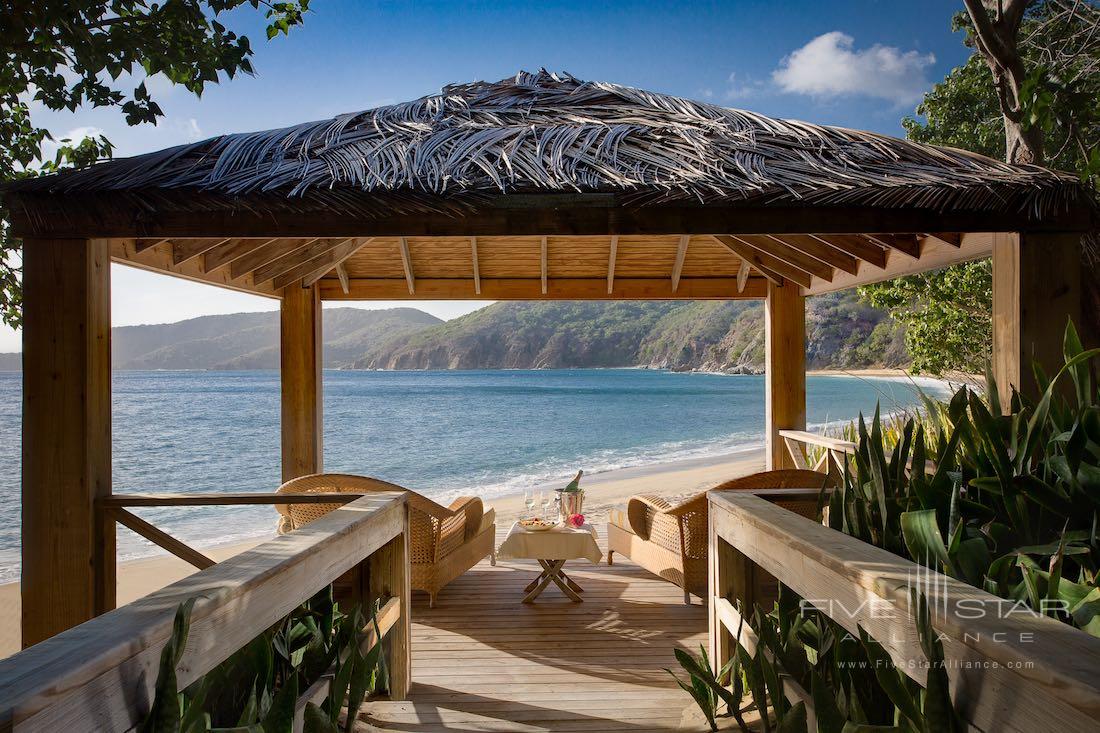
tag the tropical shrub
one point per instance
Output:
(1013, 503)
(256, 689)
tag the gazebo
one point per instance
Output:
(540, 186)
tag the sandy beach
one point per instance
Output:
(603, 492)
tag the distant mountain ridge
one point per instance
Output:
(842, 333)
(248, 340)
(728, 336)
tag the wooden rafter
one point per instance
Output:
(952, 238)
(406, 263)
(319, 265)
(185, 250)
(542, 263)
(678, 265)
(231, 251)
(907, 244)
(335, 259)
(855, 245)
(742, 275)
(770, 267)
(143, 244)
(268, 253)
(342, 276)
(300, 256)
(477, 268)
(790, 255)
(820, 251)
(611, 263)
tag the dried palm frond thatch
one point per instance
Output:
(553, 133)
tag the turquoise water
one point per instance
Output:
(443, 433)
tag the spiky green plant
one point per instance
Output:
(256, 688)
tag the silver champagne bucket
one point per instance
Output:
(572, 502)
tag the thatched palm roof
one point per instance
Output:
(552, 133)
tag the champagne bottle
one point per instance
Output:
(575, 484)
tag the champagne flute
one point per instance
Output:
(529, 499)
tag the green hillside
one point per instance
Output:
(682, 335)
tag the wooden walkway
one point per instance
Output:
(483, 661)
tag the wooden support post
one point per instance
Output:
(720, 566)
(1036, 288)
(300, 361)
(785, 368)
(68, 573)
(389, 578)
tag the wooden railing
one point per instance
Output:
(100, 675)
(833, 458)
(1010, 668)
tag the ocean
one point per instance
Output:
(443, 433)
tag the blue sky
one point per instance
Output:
(860, 63)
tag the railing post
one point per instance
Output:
(733, 577)
(388, 570)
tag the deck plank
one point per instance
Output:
(483, 661)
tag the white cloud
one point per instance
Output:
(828, 66)
(189, 129)
(74, 136)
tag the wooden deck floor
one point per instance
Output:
(483, 661)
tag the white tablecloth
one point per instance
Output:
(560, 543)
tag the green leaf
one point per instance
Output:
(315, 720)
(922, 537)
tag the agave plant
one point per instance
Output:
(1013, 503)
(256, 689)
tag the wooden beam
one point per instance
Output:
(68, 553)
(340, 255)
(406, 263)
(161, 538)
(935, 255)
(266, 254)
(952, 238)
(477, 269)
(907, 244)
(317, 267)
(296, 259)
(771, 267)
(231, 251)
(542, 264)
(159, 260)
(770, 245)
(820, 251)
(597, 214)
(342, 276)
(742, 275)
(678, 265)
(702, 288)
(229, 498)
(1037, 288)
(185, 250)
(300, 374)
(857, 246)
(784, 369)
(143, 244)
(611, 263)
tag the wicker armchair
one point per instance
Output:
(444, 542)
(671, 541)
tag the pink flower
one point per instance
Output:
(576, 520)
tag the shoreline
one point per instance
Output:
(603, 492)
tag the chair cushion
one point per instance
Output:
(619, 518)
